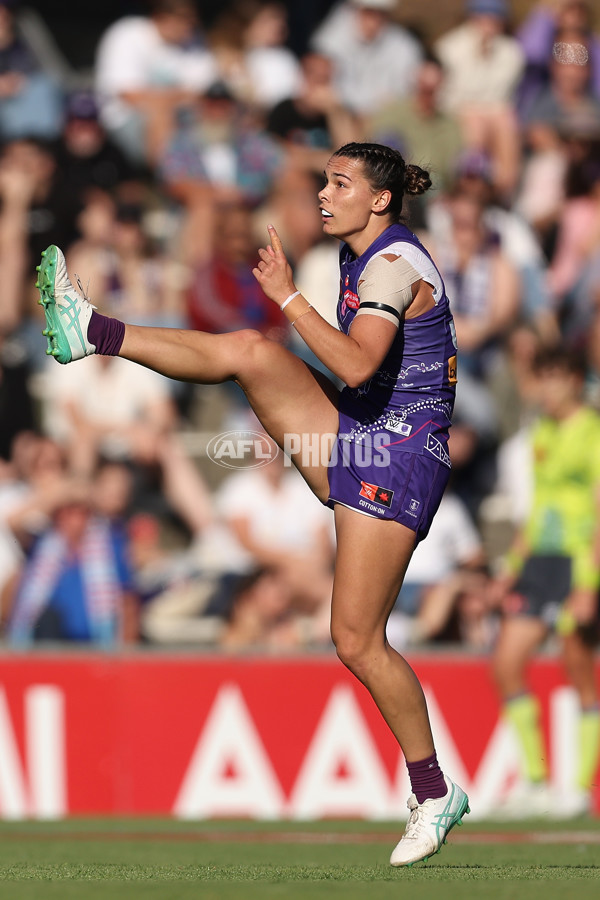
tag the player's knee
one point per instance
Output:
(250, 350)
(353, 649)
(249, 341)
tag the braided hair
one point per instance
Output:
(386, 169)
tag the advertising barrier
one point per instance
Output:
(266, 738)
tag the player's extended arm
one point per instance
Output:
(355, 357)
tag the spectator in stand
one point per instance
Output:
(248, 41)
(482, 283)
(540, 195)
(483, 66)
(95, 223)
(109, 413)
(17, 412)
(148, 61)
(30, 101)
(277, 526)
(376, 60)
(538, 36)
(51, 208)
(259, 616)
(35, 477)
(128, 270)
(474, 623)
(266, 536)
(569, 89)
(486, 300)
(592, 348)
(441, 570)
(517, 241)
(554, 152)
(474, 441)
(223, 295)
(32, 480)
(221, 145)
(516, 391)
(577, 241)
(550, 583)
(39, 496)
(112, 491)
(15, 466)
(86, 156)
(249, 609)
(34, 162)
(418, 127)
(76, 583)
(291, 204)
(10, 564)
(313, 121)
(17, 188)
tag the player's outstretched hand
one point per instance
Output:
(273, 272)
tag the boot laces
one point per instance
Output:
(415, 819)
(83, 291)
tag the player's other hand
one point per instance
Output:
(273, 272)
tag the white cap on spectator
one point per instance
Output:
(385, 5)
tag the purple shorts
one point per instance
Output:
(399, 485)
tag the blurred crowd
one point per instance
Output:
(157, 174)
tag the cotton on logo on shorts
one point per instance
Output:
(242, 449)
(377, 494)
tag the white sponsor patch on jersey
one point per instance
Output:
(398, 426)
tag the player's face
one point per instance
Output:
(347, 201)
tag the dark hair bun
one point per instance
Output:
(416, 180)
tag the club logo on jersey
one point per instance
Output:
(452, 378)
(413, 507)
(351, 299)
(347, 281)
(376, 494)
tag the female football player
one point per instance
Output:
(385, 434)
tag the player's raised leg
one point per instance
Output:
(291, 400)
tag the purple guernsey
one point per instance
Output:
(406, 407)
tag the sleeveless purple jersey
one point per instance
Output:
(411, 397)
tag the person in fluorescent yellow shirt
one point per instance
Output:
(551, 581)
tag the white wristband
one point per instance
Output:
(289, 299)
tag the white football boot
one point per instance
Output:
(68, 312)
(429, 824)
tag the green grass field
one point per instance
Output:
(164, 859)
